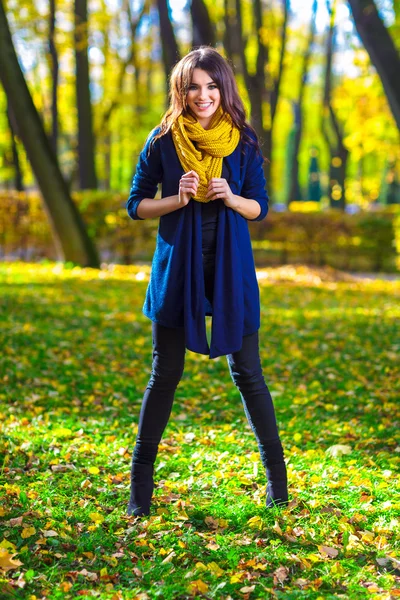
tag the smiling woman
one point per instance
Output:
(209, 163)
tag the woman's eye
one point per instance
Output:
(212, 86)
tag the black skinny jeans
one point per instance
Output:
(167, 369)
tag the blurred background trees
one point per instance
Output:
(319, 80)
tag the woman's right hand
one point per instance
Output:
(188, 187)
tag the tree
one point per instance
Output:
(330, 125)
(203, 27)
(262, 87)
(170, 49)
(70, 235)
(381, 49)
(54, 71)
(87, 171)
(294, 185)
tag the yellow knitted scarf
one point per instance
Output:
(212, 145)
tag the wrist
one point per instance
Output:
(236, 202)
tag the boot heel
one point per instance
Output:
(142, 486)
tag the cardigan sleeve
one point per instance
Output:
(147, 176)
(254, 185)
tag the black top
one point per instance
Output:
(209, 219)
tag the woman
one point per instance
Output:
(208, 160)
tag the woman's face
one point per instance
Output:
(203, 97)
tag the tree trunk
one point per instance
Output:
(70, 235)
(203, 27)
(86, 154)
(381, 49)
(338, 151)
(294, 191)
(170, 50)
(54, 79)
(260, 90)
(18, 179)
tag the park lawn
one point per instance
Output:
(76, 357)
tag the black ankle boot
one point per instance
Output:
(142, 486)
(277, 492)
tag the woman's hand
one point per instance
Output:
(219, 188)
(188, 187)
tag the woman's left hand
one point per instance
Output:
(219, 188)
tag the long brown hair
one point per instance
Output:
(220, 71)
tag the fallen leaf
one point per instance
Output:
(8, 546)
(49, 533)
(94, 470)
(280, 575)
(16, 522)
(338, 450)
(7, 560)
(328, 551)
(212, 545)
(211, 522)
(88, 574)
(28, 532)
(198, 586)
(247, 589)
(215, 569)
(96, 517)
(62, 468)
(255, 522)
(168, 558)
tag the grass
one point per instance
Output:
(76, 359)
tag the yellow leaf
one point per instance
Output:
(62, 432)
(201, 566)
(215, 569)
(297, 437)
(96, 517)
(94, 470)
(236, 577)
(255, 522)
(198, 586)
(7, 561)
(367, 536)
(28, 532)
(2, 511)
(8, 546)
(111, 560)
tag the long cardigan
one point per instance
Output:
(175, 294)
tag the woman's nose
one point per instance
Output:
(203, 93)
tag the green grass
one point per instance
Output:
(76, 358)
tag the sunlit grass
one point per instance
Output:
(76, 357)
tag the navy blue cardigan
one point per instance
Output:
(175, 294)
